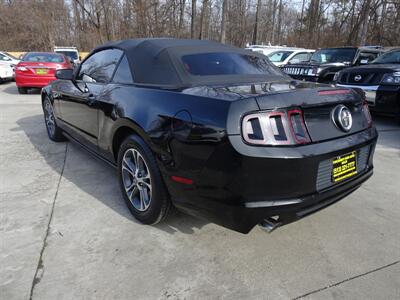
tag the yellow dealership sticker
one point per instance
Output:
(344, 166)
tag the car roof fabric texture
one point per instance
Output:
(156, 62)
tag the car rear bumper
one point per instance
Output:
(253, 183)
(33, 81)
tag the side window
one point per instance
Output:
(100, 66)
(2, 57)
(123, 74)
(366, 57)
(300, 57)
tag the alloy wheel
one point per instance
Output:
(136, 179)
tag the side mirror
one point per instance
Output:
(80, 58)
(65, 74)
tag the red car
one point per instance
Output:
(37, 69)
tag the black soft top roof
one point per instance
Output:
(157, 62)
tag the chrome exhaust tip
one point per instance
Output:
(270, 224)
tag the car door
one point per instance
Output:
(79, 102)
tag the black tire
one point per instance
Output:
(53, 131)
(23, 90)
(159, 204)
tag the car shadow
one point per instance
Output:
(109, 194)
(13, 90)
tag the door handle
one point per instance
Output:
(91, 99)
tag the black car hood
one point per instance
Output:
(374, 68)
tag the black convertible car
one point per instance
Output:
(213, 130)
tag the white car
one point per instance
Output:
(289, 56)
(8, 59)
(6, 72)
(70, 52)
(264, 49)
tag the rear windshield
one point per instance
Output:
(225, 63)
(334, 55)
(71, 54)
(44, 57)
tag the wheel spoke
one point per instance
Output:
(132, 193)
(142, 199)
(127, 169)
(147, 184)
(128, 188)
(135, 158)
(127, 165)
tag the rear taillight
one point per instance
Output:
(22, 68)
(367, 114)
(298, 127)
(275, 128)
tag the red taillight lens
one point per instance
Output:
(367, 114)
(275, 128)
(298, 127)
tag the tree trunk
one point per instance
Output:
(181, 16)
(223, 22)
(203, 12)
(192, 24)
(256, 25)
(273, 22)
(365, 18)
(280, 23)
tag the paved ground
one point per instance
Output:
(66, 233)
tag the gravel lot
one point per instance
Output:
(66, 233)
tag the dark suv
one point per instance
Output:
(379, 80)
(324, 63)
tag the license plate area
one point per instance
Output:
(41, 71)
(344, 166)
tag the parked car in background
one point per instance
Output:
(380, 81)
(324, 63)
(283, 57)
(217, 131)
(264, 49)
(7, 59)
(70, 52)
(37, 69)
(6, 72)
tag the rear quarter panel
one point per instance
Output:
(182, 130)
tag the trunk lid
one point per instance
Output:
(39, 68)
(318, 104)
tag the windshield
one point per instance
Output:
(279, 56)
(71, 54)
(392, 57)
(225, 63)
(334, 55)
(43, 57)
